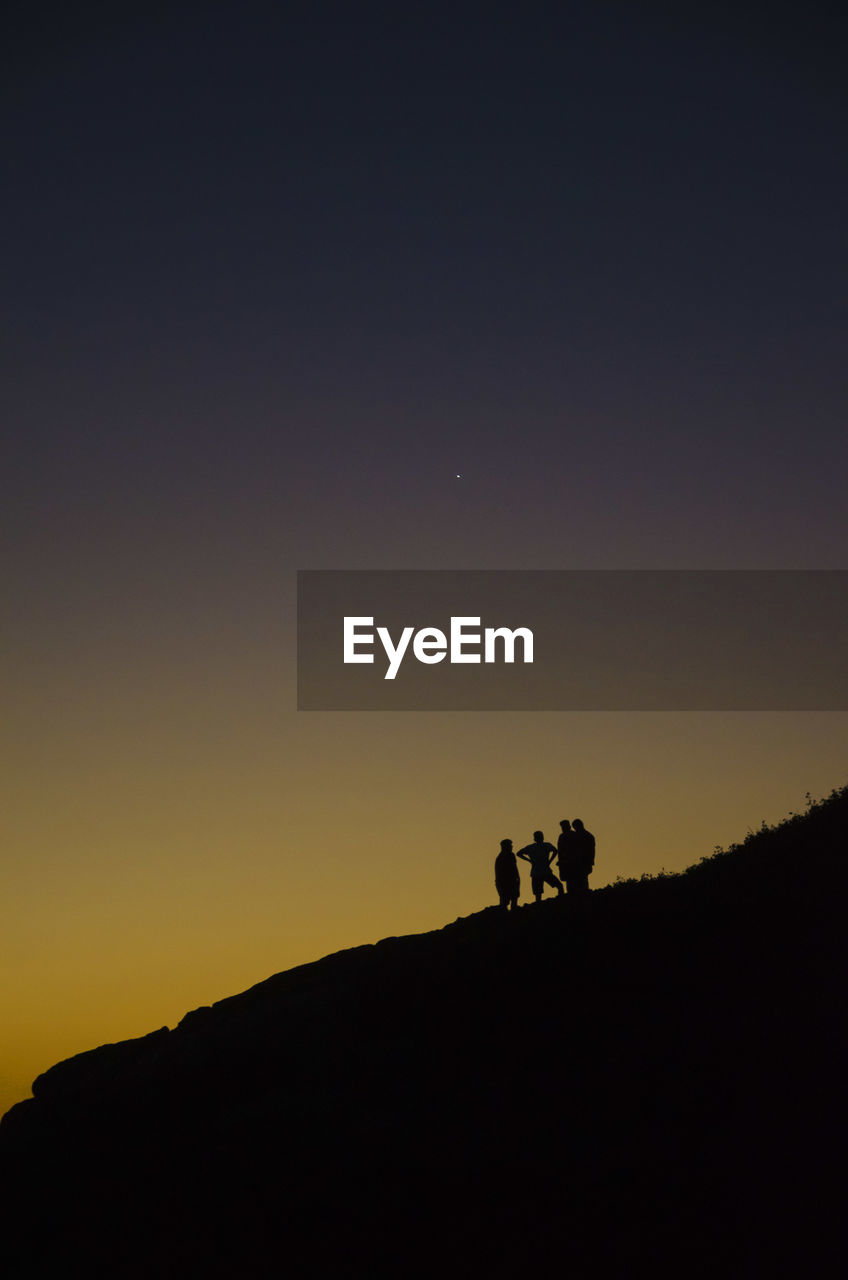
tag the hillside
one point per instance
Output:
(655, 1085)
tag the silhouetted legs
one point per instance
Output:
(578, 885)
(539, 879)
(508, 899)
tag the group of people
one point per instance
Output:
(574, 854)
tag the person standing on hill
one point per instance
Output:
(507, 880)
(540, 854)
(580, 858)
(563, 849)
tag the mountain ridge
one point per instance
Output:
(638, 1056)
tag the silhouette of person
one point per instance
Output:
(580, 858)
(540, 854)
(564, 849)
(507, 880)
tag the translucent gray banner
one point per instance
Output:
(608, 640)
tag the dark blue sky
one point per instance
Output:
(300, 264)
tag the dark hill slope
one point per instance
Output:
(654, 1086)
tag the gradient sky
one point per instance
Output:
(273, 275)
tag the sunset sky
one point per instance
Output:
(273, 275)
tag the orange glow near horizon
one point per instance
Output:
(183, 851)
